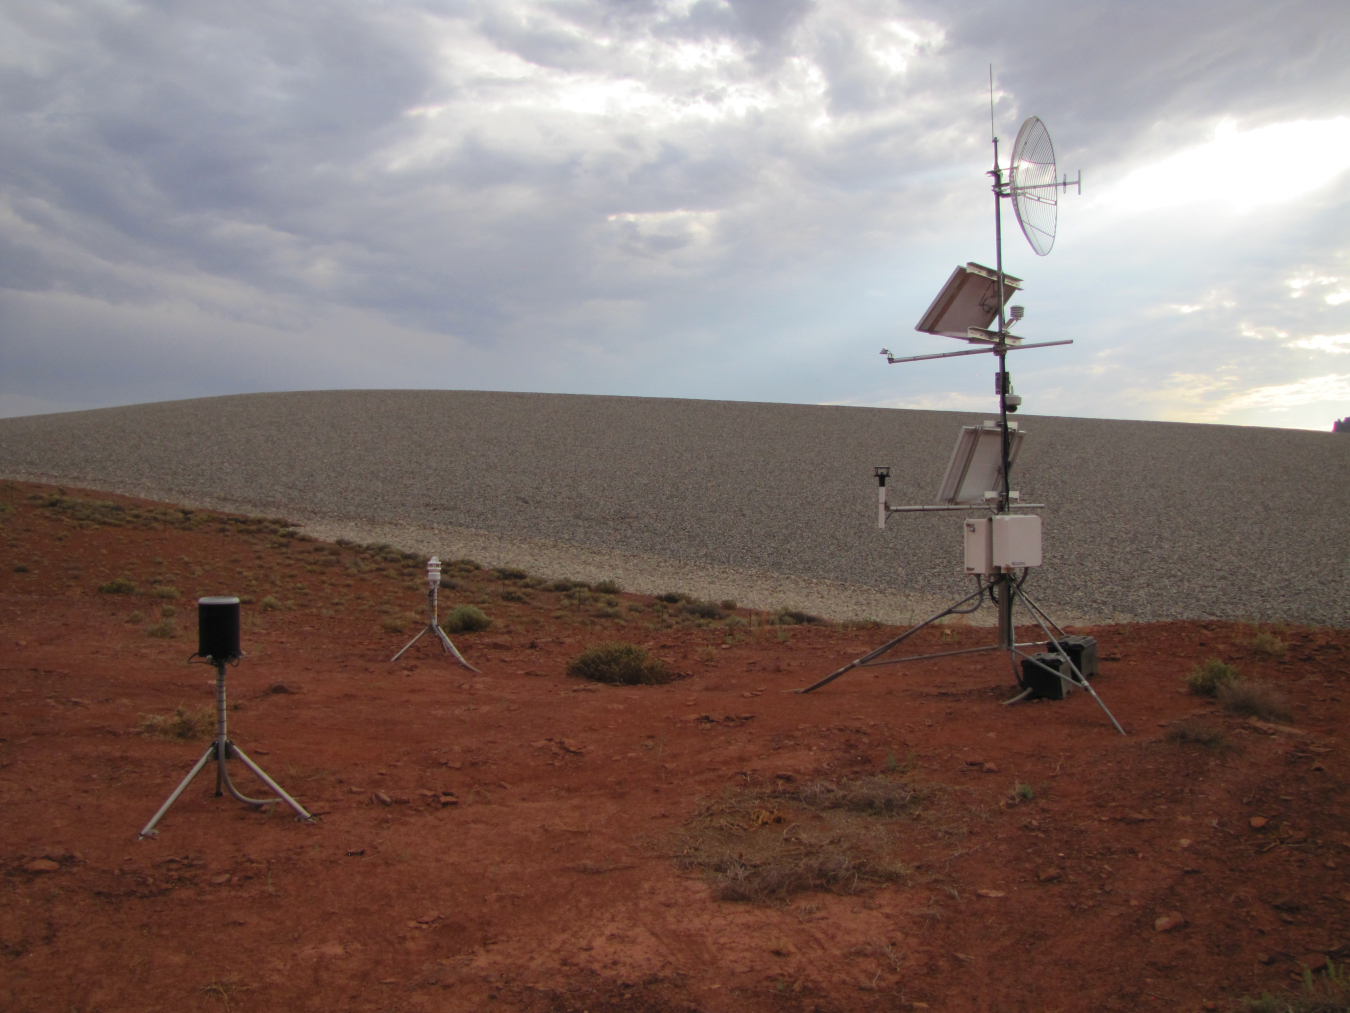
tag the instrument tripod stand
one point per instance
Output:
(433, 625)
(222, 749)
(1005, 592)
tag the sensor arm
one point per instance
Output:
(969, 351)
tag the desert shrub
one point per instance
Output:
(269, 603)
(1269, 645)
(164, 629)
(619, 664)
(466, 619)
(512, 595)
(727, 605)
(136, 617)
(606, 587)
(168, 612)
(510, 573)
(118, 585)
(1251, 698)
(794, 617)
(164, 591)
(704, 610)
(1206, 679)
(671, 597)
(181, 724)
(20, 568)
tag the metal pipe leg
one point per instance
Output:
(889, 644)
(261, 775)
(450, 648)
(150, 830)
(421, 633)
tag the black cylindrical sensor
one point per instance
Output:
(218, 628)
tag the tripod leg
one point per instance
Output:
(261, 775)
(889, 644)
(450, 648)
(409, 644)
(150, 830)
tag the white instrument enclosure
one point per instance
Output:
(1015, 541)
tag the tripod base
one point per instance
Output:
(446, 645)
(221, 750)
(1009, 593)
(433, 627)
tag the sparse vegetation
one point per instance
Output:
(606, 587)
(198, 723)
(1327, 992)
(164, 629)
(466, 619)
(765, 847)
(166, 591)
(619, 664)
(1206, 678)
(118, 585)
(1251, 698)
(1021, 792)
(270, 603)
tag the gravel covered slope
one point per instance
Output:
(1144, 520)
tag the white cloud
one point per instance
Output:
(1269, 165)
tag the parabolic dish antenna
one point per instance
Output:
(1031, 180)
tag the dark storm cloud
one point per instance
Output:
(567, 190)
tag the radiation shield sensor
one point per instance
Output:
(968, 304)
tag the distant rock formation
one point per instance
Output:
(1341, 425)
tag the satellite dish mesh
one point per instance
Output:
(1032, 182)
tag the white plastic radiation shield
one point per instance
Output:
(976, 466)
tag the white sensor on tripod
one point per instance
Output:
(434, 572)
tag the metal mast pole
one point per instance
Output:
(1004, 581)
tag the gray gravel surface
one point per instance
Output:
(1145, 520)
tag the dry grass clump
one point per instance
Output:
(1206, 679)
(620, 664)
(1197, 733)
(118, 585)
(764, 847)
(1254, 699)
(184, 724)
(877, 794)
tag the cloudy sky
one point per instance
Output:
(740, 199)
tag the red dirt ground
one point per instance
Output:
(551, 885)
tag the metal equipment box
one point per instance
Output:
(1016, 541)
(978, 547)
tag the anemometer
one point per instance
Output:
(974, 300)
